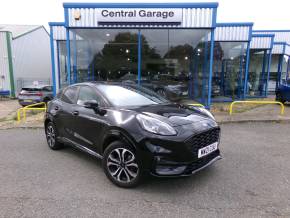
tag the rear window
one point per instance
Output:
(31, 89)
(47, 88)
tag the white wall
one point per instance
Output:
(4, 63)
(31, 57)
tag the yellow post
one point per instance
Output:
(18, 114)
(28, 107)
(257, 102)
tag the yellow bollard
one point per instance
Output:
(257, 102)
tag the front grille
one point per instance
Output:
(203, 139)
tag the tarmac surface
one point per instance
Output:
(252, 180)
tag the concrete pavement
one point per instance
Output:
(252, 180)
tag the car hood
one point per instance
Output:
(175, 114)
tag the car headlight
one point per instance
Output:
(155, 126)
(206, 112)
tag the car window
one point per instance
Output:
(47, 89)
(70, 95)
(87, 93)
(126, 95)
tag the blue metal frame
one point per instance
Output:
(68, 57)
(58, 61)
(238, 24)
(210, 68)
(267, 58)
(241, 24)
(139, 56)
(141, 5)
(75, 73)
(269, 64)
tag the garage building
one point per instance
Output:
(165, 47)
(280, 64)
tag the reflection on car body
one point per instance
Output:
(133, 130)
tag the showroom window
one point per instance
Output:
(229, 70)
(62, 63)
(104, 54)
(258, 72)
(173, 63)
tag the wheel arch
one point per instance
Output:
(117, 135)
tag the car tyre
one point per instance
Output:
(161, 92)
(51, 137)
(121, 165)
(279, 98)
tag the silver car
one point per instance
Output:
(35, 94)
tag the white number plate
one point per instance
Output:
(207, 150)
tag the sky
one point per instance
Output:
(266, 14)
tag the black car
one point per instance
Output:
(133, 130)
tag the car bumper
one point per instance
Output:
(185, 169)
(28, 102)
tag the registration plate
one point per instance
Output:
(207, 150)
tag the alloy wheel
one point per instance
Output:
(50, 135)
(122, 165)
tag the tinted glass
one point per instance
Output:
(104, 54)
(87, 93)
(258, 72)
(47, 89)
(175, 63)
(228, 70)
(130, 95)
(62, 62)
(70, 95)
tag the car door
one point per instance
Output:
(88, 124)
(63, 109)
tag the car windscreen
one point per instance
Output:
(31, 89)
(125, 96)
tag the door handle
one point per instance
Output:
(75, 113)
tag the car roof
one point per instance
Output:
(96, 83)
(35, 86)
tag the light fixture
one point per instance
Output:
(199, 50)
(128, 59)
(127, 51)
(186, 58)
(107, 34)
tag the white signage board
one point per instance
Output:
(143, 15)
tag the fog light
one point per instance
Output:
(157, 149)
(169, 170)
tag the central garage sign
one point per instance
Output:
(139, 15)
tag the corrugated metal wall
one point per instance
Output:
(4, 63)
(191, 18)
(59, 32)
(261, 42)
(278, 49)
(232, 33)
(31, 56)
(280, 36)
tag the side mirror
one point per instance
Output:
(92, 104)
